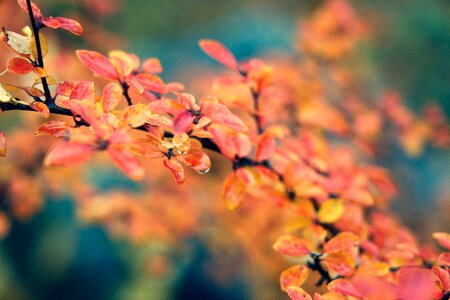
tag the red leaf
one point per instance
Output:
(443, 276)
(54, 128)
(83, 90)
(297, 293)
(112, 94)
(64, 88)
(443, 238)
(176, 168)
(36, 11)
(345, 287)
(70, 25)
(126, 162)
(2, 144)
(183, 122)
(40, 107)
(219, 113)
(220, 53)
(151, 82)
(19, 65)
(416, 283)
(291, 245)
(98, 63)
(68, 154)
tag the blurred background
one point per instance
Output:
(185, 244)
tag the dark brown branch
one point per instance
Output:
(39, 58)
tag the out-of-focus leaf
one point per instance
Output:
(98, 63)
(33, 48)
(220, 53)
(112, 94)
(55, 128)
(126, 162)
(68, 154)
(2, 144)
(341, 242)
(294, 276)
(330, 211)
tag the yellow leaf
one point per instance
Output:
(330, 211)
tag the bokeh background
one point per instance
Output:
(51, 253)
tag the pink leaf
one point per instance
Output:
(98, 63)
(220, 53)
(68, 154)
(126, 162)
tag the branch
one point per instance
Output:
(40, 59)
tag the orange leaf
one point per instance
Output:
(150, 82)
(182, 142)
(69, 25)
(68, 154)
(341, 263)
(125, 63)
(112, 94)
(98, 63)
(220, 53)
(126, 162)
(295, 275)
(136, 115)
(297, 293)
(230, 142)
(19, 65)
(146, 147)
(2, 144)
(291, 245)
(265, 147)
(233, 191)
(345, 287)
(54, 128)
(40, 107)
(341, 242)
(196, 158)
(443, 238)
(152, 65)
(330, 211)
(176, 168)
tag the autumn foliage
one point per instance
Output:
(277, 122)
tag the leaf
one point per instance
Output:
(68, 154)
(330, 211)
(36, 11)
(233, 191)
(146, 147)
(69, 25)
(152, 65)
(44, 46)
(345, 287)
(265, 147)
(443, 238)
(112, 94)
(64, 88)
(176, 169)
(54, 128)
(443, 276)
(341, 263)
(19, 65)
(220, 53)
(291, 245)
(5, 96)
(230, 142)
(443, 259)
(416, 283)
(150, 82)
(125, 63)
(136, 115)
(40, 107)
(294, 276)
(2, 144)
(183, 122)
(297, 293)
(219, 113)
(342, 242)
(97, 63)
(83, 90)
(126, 162)
(34, 92)
(196, 158)
(17, 42)
(182, 142)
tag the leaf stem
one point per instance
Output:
(40, 59)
